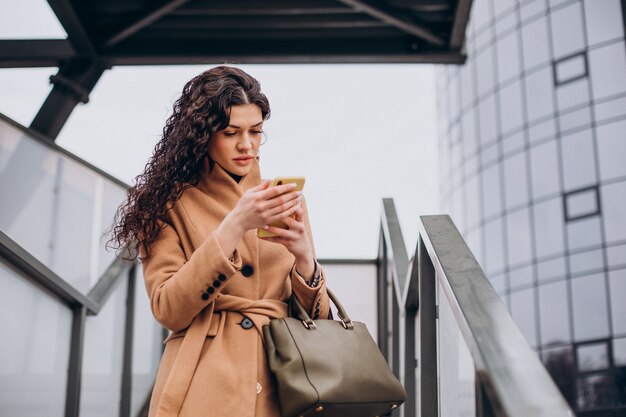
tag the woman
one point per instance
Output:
(193, 217)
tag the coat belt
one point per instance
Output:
(186, 361)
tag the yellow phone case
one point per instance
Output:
(299, 181)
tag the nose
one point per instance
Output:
(245, 143)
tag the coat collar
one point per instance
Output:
(219, 182)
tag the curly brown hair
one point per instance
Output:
(202, 109)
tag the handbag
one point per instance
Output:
(330, 368)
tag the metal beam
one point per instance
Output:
(391, 17)
(75, 366)
(71, 22)
(147, 20)
(72, 85)
(28, 53)
(461, 17)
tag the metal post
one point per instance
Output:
(381, 297)
(127, 370)
(410, 363)
(72, 397)
(429, 393)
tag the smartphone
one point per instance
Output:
(299, 181)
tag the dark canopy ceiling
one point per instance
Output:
(104, 33)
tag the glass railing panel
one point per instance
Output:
(55, 207)
(456, 366)
(355, 286)
(34, 351)
(147, 346)
(103, 356)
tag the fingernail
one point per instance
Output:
(293, 184)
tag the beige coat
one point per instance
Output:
(214, 363)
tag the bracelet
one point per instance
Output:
(314, 282)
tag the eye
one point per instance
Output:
(230, 133)
(257, 132)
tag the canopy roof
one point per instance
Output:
(104, 33)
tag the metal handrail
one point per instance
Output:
(511, 381)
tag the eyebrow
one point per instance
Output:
(239, 127)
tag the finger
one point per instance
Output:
(277, 190)
(278, 231)
(294, 224)
(264, 184)
(299, 214)
(281, 214)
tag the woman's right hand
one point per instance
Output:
(263, 205)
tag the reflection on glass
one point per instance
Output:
(147, 344)
(103, 356)
(603, 20)
(544, 169)
(560, 365)
(523, 311)
(579, 162)
(456, 367)
(584, 233)
(612, 196)
(590, 305)
(77, 202)
(535, 47)
(34, 351)
(608, 70)
(617, 289)
(596, 391)
(493, 246)
(548, 217)
(612, 150)
(567, 34)
(554, 314)
(518, 238)
(619, 352)
(592, 357)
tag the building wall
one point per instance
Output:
(533, 172)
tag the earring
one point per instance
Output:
(264, 138)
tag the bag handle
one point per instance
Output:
(346, 321)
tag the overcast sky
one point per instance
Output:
(358, 133)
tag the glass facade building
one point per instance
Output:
(533, 172)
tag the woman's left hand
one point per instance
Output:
(294, 238)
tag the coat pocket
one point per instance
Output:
(212, 332)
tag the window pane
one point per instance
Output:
(596, 391)
(548, 218)
(573, 94)
(544, 170)
(33, 366)
(518, 242)
(534, 35)
(487, 118)
(570, 68)
(579, 164)
(491, 191)
(575, 119)
(584, 233)
(511, 107)
(521, 276)
(484, 68)
(616, 256)
(542, 131)
(604, 20)
(613, 202)
(551, 269)
(608, 70)
(508, 57)
(515, 180)
(610, 109)
(617, 285)
(493, 246)
(539, 99)
(554, 314)
(468, 126)
(589, 304)
(103, 356)
(582, 203)
(523, 311)
(619, 352)
(612, 150)
(468, 94)
(592, 357)
(471, 202)
(589, 261)
(559, 363)
(567, 30)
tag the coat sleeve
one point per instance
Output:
(179, 288)
(314, 299)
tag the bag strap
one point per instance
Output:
(309, 323)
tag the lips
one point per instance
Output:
(243, 158)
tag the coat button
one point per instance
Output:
(217, 283)
(246, 323)
(221, 277)
(205, 296)
(258, 388)
(210, 290)
(247, 270)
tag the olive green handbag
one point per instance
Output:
(330, 368)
